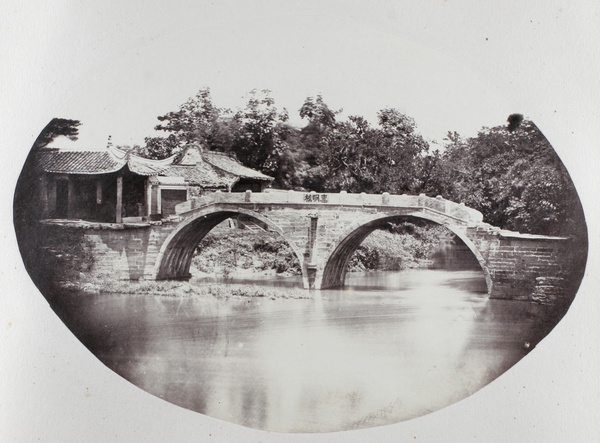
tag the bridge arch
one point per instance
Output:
(338, 256)
(176, 253)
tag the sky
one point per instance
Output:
(357, 69)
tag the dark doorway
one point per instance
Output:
(62, 198)
(170, 198)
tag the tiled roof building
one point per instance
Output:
(114, 185)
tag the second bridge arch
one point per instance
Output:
(335, 261)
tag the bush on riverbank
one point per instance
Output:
(105, 285)
(402, 246)
(242, 249)
(398, 246)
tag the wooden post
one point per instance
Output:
(158, 200)
(119, 208)
(98, 192)
(51, 196)
(148, 197)
(71, 198)
(44, 194)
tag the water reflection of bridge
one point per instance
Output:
(323, 230)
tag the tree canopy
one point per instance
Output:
(512, 174)
(508, 172)
(57, 127)
(259, 142)
(197, 121)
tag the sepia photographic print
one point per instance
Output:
(294, 226)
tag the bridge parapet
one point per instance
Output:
(440, 205)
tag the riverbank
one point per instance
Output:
(95, 286)
(242, 253)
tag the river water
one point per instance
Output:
(388, 347)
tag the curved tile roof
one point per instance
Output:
(212, 169)
(233, 166)
(98, 162)
(144, 166)
(78, 162)
(202, 175)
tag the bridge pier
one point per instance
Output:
(528, 267)
(309, 279)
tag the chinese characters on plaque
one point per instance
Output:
(315, 198)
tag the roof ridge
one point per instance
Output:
(79, 161)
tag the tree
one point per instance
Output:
(57, 127)
(194, 120)
(403, 152)
(360, 158)
(513, 176)
(318, 113)
(199, 121)
(159, 148)
(260, 140)
(321, 121)
(514, 121)
(433, 175)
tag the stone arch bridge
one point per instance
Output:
(323, 230)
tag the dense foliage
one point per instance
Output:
(509, 172)
(393, 248)
(242, 249)
(514, 178)
(57, 127)
(403, 246)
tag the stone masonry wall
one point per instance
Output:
(120, 252)
(527, 269)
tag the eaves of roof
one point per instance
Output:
(78, 162)
(233, 167)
